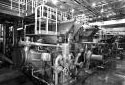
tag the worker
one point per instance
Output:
(80, 59)
(88, 58)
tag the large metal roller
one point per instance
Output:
(22, 57)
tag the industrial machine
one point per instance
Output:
(55, 47)
(51, 59)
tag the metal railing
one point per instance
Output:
(49, 15)
(26, 6)
(44, 12)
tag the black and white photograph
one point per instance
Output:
(62, 42)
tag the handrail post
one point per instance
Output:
(26, 8)
(39, 19)
(35, 20)
(19, 7)
(42, 9)
(11, 4)
(47, 21)
(56, 20)
(32, 6)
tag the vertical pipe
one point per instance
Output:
(39, 18)
(32, 6)
(0, 30)
(4, 38)
(39, 25)
(56, 78)
(19, 7)
(42, 10)
(56, 20)
(23, 25)
(61, 16)
(26, 7)
(100, 35)
(50, 13)
(11, 4)
(15, 34)
(47, 22)
(72, 15)
(36, 3)
(24, 31)
(36, 20)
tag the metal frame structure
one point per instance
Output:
(43, 13)
(46, 13)
(25, 6)
(49, 15)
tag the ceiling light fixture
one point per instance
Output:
(99, 16)
(94, 4)
(55, 1)
(61, 7)
(102, 10)
(107, 16)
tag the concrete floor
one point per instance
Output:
(99, 78)
(13, 77)
(112, 76)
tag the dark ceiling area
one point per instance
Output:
(95, 9)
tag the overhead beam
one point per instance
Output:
(111, 22)
(90, 10)
(97, 12)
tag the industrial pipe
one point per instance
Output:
(57, 68)
(38, 44)
(39, 78)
